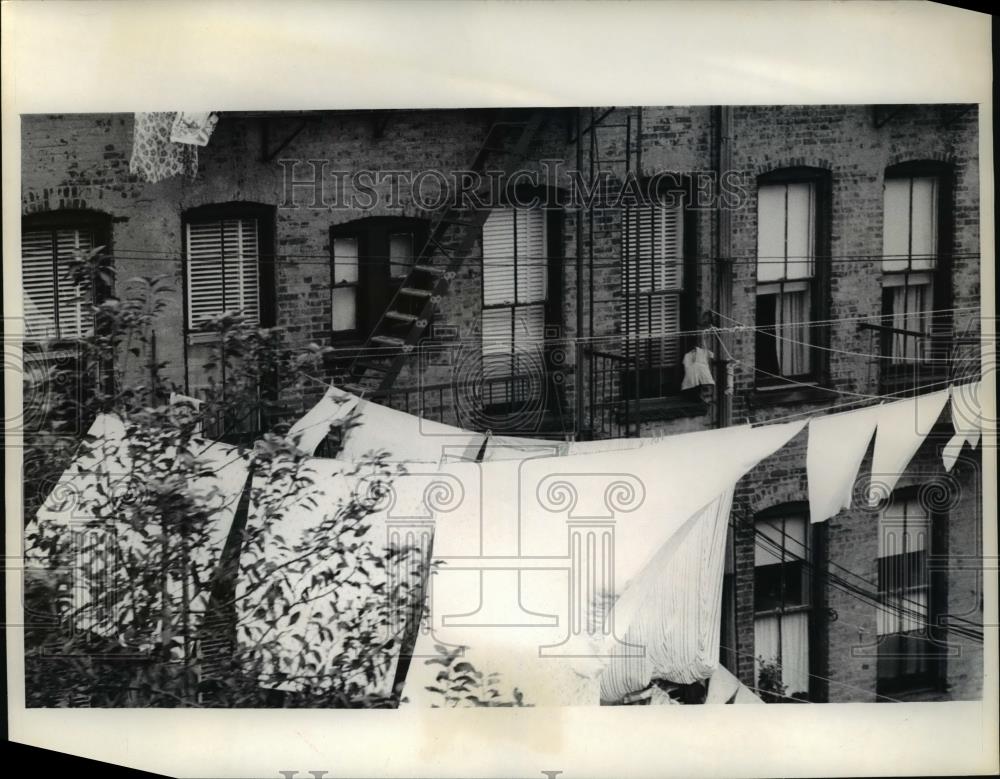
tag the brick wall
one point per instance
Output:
(82, 162)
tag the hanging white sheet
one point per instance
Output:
(966, 415)
(406, 438)
(331, 571)
(837, 445)
(526, 530)
(670, 616)
(107, 475)
(309, 432)
(902, 427)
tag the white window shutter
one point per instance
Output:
(770, 232)
(55, 306)
(497, 342)
(498, 258)
(222, 268)
(924, 223)
(38, 284)
(532, 257)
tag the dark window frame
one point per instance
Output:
(99, 224)
(820, 302)
(931, 640)
(663, 382)
(376, 284)
(813, 600)
(517, 395)
(941, 281)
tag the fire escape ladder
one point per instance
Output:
(452, 236)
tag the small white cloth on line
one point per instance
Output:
(966, 415)
(309, 432)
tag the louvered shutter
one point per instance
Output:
(55, 307)
(498, 258)
(222, 262)
(532, 258)
(654, 280)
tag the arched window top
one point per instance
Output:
(793, 173)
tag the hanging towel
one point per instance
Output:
(902, 427)
(670, 616)
(837, 445)
(310, 430)
(194, 127)
(723, 687)
(965, 418)
(696, 368)
(154, 155)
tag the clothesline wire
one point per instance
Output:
(900, 611)
(522, 261)
(808, 673)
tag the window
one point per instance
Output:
(782, 600)
(907, 656)
(344, 294)
(58, 297)
(370, 259)
(654, 282)
(229, 264)
(911, 241)
(515, 292)
(788, 290)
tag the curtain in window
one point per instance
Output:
(793, 332)
(910, 302)
(790, 651)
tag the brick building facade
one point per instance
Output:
(512, 342)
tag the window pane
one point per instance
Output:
(784, 640)
(801, 230)
(896, 224)
(345, 260)
(770, 232)
(400, 254)
(344, 302)
(924, 221)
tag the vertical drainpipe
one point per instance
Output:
(722, 295)
(723, 292)
(578, 385)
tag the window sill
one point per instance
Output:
(661, 409)
(798, 392)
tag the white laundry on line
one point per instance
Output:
(966, 419)
(837, 445)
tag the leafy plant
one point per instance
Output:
(769, 685)
(461, 684)
(137, 602)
